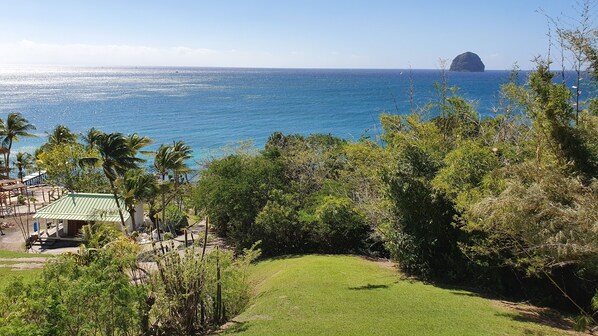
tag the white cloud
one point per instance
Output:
(36, 53)
(30, 52)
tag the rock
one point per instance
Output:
(467, 62)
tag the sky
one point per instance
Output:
(275, 33)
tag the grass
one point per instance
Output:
(7, 273)
(348, 295)
(17, 254)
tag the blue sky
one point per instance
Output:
(264, 33)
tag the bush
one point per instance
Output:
(89, 293)
(194, 294)
(277, 226)
(338, 226)
(97, 235)
(176, 220)
(233, 190)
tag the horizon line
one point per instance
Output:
(234, 67)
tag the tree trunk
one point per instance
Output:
(132, 214)
(7, 162)
(163, 205)
(120, 212)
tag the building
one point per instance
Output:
(69, 213)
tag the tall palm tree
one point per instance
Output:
(91, 137)
(23, 162)
(170, 158)
(183, 151)
(165, 160)
(136, 186)
(137, 142)
(12, 129)
(61, 135)
(116, 159)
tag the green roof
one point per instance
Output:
(83, 206)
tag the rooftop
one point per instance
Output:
(84, 207)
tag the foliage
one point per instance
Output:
(61, 135)
(14, 127)
(337, 226)
(176, 220)
(98, 235)
(278, 226)
(78, 294)
(61, 162)
(292, 197)
(233, 190)
(194, 293)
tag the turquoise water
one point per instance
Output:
(213, 107)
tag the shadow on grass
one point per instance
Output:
(368, 287)
(463, 293)
(516, 311)
(530, 314)
(282, 257)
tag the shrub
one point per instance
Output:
(194, 294)
(233, 190)
(338, 226)
(89, 293)
(278, 227)
(176, 220)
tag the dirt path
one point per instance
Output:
(22, 263)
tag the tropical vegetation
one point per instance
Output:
(504, 204)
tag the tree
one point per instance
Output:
(137, 186)
(170, 158)
(116, 157)
(61, 135)
(183, 151)
(23, 162)
(61, 163)
(85, 293)
(135, 141)
(91, 137)
(233, 190)
(12, 129)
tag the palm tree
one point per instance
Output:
(61, 135)
(166, 159)
(170, 159)
(183, 151)
(12, 129)
(23, 161)
(136, 142)
(92, 137)
(116, 159)
(136, 186)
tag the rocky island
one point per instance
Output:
(467, 62)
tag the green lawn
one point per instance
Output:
(17, 254)
(347, 295)
(7, 273)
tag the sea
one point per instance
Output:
(216, 109)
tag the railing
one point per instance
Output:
(35, 178)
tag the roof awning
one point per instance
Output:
(83, 207)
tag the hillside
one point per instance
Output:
(348, 295)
